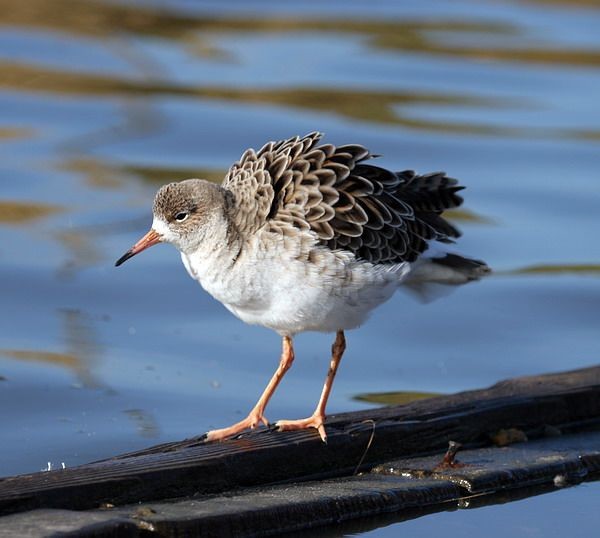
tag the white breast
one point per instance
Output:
(292, 296)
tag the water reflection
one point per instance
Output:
(11, 133)
(192, 33)
(412, 110)
(83, 252)
(95, 19)
(371, 106)
(523, 512)
(107, 175)
(394, 398)
(13, 212)
(138, 118)
(590, 269)
(145, 423)
(82, 349)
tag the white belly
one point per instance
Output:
(290, 296)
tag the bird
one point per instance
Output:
(307, 236)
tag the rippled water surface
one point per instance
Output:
(102, 102)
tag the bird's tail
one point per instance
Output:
(433, 276)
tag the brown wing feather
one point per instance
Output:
(379, 215)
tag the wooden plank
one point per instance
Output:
(406, 488)
(568, 400)
(568, 459)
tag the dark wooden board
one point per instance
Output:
(395, 491)
(568, 400)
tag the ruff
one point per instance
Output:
(308, 237)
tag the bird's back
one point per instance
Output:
(380, 216)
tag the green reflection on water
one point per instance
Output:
(394, 398)
(364, 105)
(13, 133)
(466, 215)
(411, 35)
(13, 212)
(592, 269)
(82, 349)
(193, 33)
(103, 174)
(160, 176)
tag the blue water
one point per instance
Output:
(99, 106)
(569, 512)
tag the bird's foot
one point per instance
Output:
(252, 421)
(315, 421)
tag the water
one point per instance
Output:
(102, 102)
(550, 515)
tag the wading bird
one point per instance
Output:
(303, 236)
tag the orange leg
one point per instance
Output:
(318, 417)
(256, 416)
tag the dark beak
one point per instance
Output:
(151, 238)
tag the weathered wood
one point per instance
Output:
(407, 488)
(566, 401)
(573, 458)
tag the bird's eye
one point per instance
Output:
(181, 216)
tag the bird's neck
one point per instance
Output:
(216, 248)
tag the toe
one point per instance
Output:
(252, 421)
(216, 435)
(316, 421)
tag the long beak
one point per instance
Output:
(151, 238)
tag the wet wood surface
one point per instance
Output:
(549, 407)
(406, 488)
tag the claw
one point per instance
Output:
(315, 421)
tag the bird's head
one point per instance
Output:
(184, 214)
